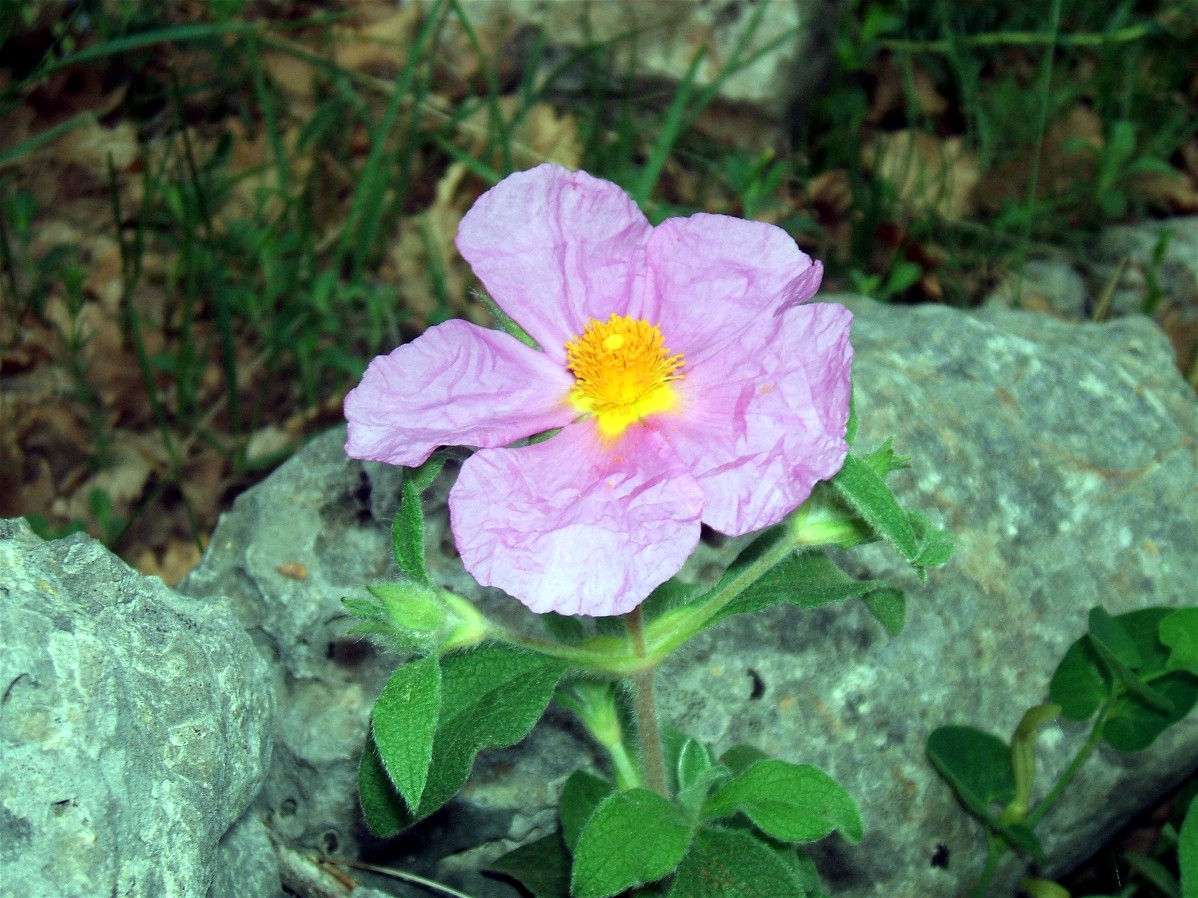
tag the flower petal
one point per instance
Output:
(574, 525)
(555, 248)
(711, 275)
(457, 384)
(763, 419)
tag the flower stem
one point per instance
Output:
(647, 730)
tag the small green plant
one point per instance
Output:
(1134, 674)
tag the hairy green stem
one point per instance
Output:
(647, 731)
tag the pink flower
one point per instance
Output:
(689, 382)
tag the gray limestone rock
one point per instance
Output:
(1061, 456)
(783, 46)
(134, 726)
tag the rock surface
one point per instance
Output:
(1061, 455)
(134, 726)
(777, 46)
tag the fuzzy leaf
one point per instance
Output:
(788, 802)
(382, 806)
(729, 863)
(404, 721)
(866, 491)
(491, 697)
(807, 579)
(633, 837)
(542, 867)
(581, 794)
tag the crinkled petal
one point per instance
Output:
(712, 275)
(763, 419)
(457, 384)
(574, 526)
(555, 248)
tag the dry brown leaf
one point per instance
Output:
(931, 175)
(91, 146)
(123, 480)
(543, 134)
(380, 45)
(425, 243)
(172, 563)
(202, 483)
(891, 98)
(266, 442)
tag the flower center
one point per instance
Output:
(622, 372)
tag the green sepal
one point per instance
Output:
(862, 484)
(407, 530)
(732, 863)
(404, 721)
(542, 867)
(632, 838)
(505, 322)
(850, 427)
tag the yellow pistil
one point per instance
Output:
(622, 371)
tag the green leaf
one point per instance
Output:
(633, 837)
(382, 807)
(693, 771)
(1179, 632)
(1187, 852)
(740, 758)
(491, 697)
(789, 802)
(1134, 724)
(726, 863)
(542, 867)
(1144, 626)
(404, 721)
(1024, 838)
(807, 579)
(581, 794)
(1081, 683)
(866, 491)
(1108, 634)
(936, 546)
(976, 764)
(888, 605)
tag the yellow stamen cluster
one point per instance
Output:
(622, 371)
